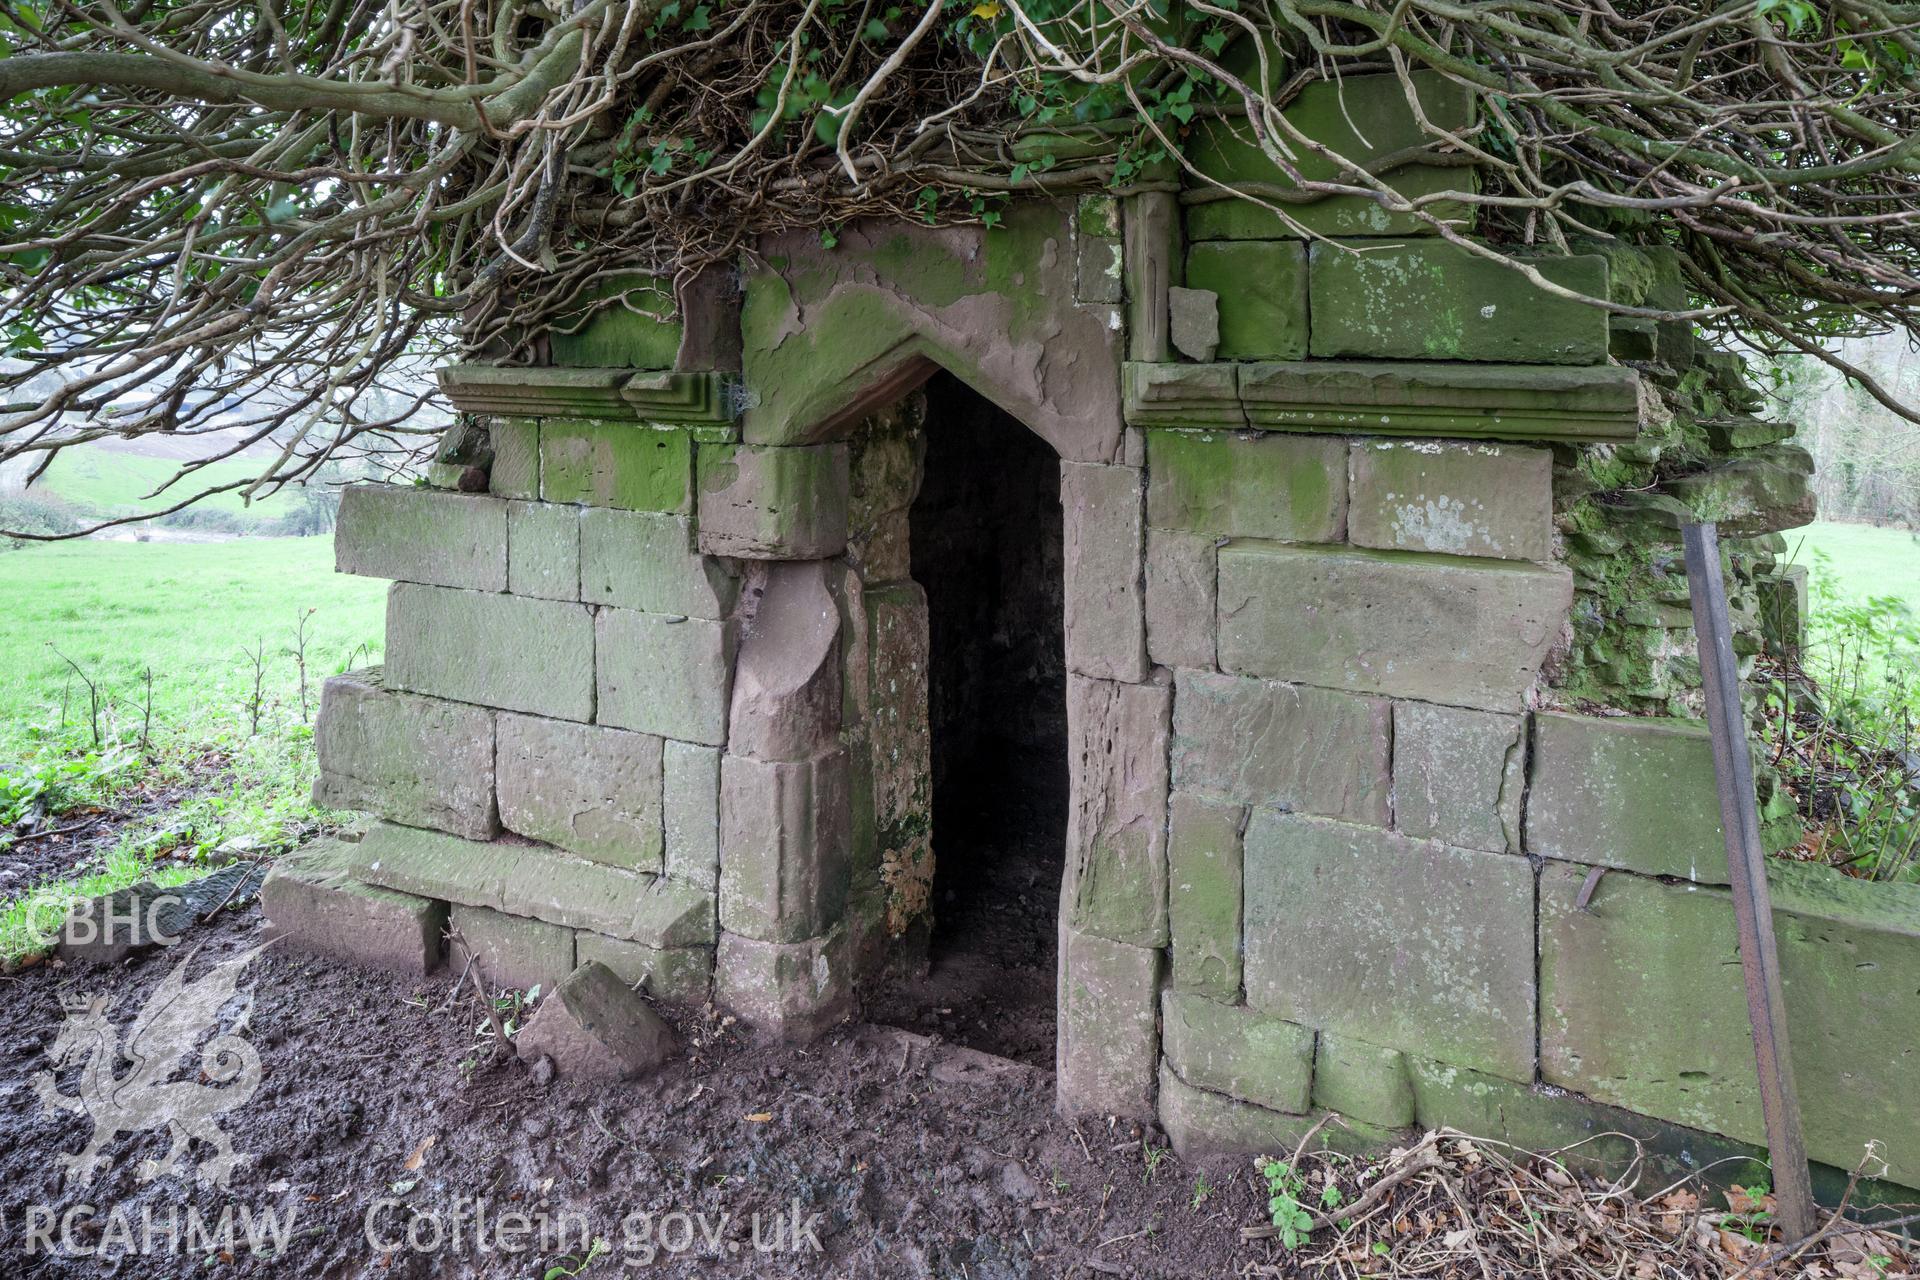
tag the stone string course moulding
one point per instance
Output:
(658, 700)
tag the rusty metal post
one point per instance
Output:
(1747, 875)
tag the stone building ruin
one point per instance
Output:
(1339, 579)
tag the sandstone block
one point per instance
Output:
(1231, 1049)
(422, 535)
(1109, 1040)
(691, 813)
(1180, 600)
(1362, 1081)
(1626, 792)
(543, 550)
(1460, 499)
(511, 951)
(593, 1028)
(532, 880)
(1116, 878)
(1202, 1123)
(615, 464)
(590, 790)
(645, 560)
(785, 846)
(1263, 295)
(420, 761)
(1195, 322)
(773, 503)
(1289, 488)
(1408, 943)
(1430, 300)
(1643, 1006)
(494, 650)
(1458, 775)
(313, 904)
(786, 684)
(793, 990)
(1203, 895)
(900, 750)
(1462, 632)
(1105, 542)
(516, 458)
(684, 974)
(665, 675)
(1255, 742)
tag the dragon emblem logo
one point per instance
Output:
(128, 1085)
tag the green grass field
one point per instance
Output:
(108, 482)
(187, 610)
(1861, 561)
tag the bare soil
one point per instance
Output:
(377, 1097)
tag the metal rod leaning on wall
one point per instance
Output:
(1747, 876)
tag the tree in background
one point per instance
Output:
(1867, 459)
(267, 210)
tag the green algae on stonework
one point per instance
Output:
(615, 464)
(639, 332)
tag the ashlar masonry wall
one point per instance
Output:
(1367, 813)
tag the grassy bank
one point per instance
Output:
(193, 653)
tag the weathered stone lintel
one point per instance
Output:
(1397, 398)
(682, 399)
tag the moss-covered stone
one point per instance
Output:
(1289, 488)
(1262, 286)
(1363, 1081)
(629, 323)
(1430, 300)
(613, 464)
(773, 503)
(1238, 1051)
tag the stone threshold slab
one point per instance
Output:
(536, 881)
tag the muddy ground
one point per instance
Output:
(376, 1098)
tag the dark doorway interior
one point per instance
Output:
(986, 539)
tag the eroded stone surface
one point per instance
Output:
(773, 503)
(1257, 742)
(1458, 775)
(1116, 881)
(675, 973)
(589, 789)
(543, 550)
(494, 650)
(509, 951)
(1289, 488)
(646, 560)
(665, 675)
(786, 683)
(1180, 600)
(1203, 894)
(1361, 1080)
(1105, 541)
(793, 990)
(421, 761)
(1241, 1052)
(691, 813)
(422, 535)
(1408, 943)
(615, 464)
(1460, 499)
(313, 903)
(785, 846)
(1109, 1038)
(1462, 632)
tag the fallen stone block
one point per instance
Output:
(589, 789)
(422, 535)
(313, 903)
(425, 762)
(677, 973)
(593, 1027)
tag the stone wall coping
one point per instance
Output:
(651, 397)
(1389, 397)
